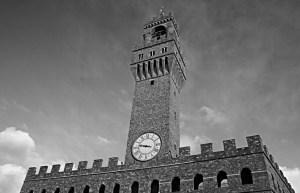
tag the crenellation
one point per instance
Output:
(31, 172)
(271, 159)
(97, 164)
(55, 168)
(276, 166)
(43, 171)
(266, 150)
(206, 148)
(68, 167)
(229, 147)
(82, 165)
(185, 151)
(113, 162)
(255, 143)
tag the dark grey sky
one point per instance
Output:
(65, 80)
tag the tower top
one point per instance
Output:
(163, 17)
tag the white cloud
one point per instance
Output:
(11, 178)
(103, 140)
(293, 176)
(15, 145)
(193, 142)
(17, 152)
(212, 116)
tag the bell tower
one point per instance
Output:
(159, 72)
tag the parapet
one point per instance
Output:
(276, 168)
(255, 145)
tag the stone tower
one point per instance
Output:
(154, 162)
(159, 73)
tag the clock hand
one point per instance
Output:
(145, 146)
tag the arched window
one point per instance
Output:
(57, 190)
(167, 64)
(222, 179)
(135, 187)
(246, 176)
(116, 188)
(86, 189)
(155, 186)
(176, 184)
(44, 191)
(138, 71)
(71, 190)
(102, 188)
(149, 68)
(161, 66)
(31, 191)
(154, 67)
(144, 70)
(158, 32)
(198, 182)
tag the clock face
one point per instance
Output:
(146, 146)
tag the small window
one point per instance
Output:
(222, 179)
(86, 189)
(175, 116)
(198, 182)
(102, 188)
(135, 187)
(31, 191)
(246, 176)
(57, 190)
(141, 56)
(152, 82)
(71, 190)
(164, 50)
(155, 186)
(152, 53)
(44, 191)
(116, 188)
(176, 184)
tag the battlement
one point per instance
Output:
(276, 168)
(255, 145)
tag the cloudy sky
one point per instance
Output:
(66, 88)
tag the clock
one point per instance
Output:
(146, 146)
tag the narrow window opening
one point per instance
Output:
(57, 190)
(152, 82)
(155, 67)
(31, 191)
(116, 188)
(44, 191)
(149, 68)
(144, 70)
(167, 64)
(246, 176)
(155, 186)
(141, 56)
(86, 189)
(222, 179)
(71, 190)
(176, 184)
(138, 71)
(160, 65)
(175, 116)
(198, 182)
(102, 188)
(135, 187)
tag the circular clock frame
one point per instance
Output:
(146, 146)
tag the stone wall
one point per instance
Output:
(232, 160)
